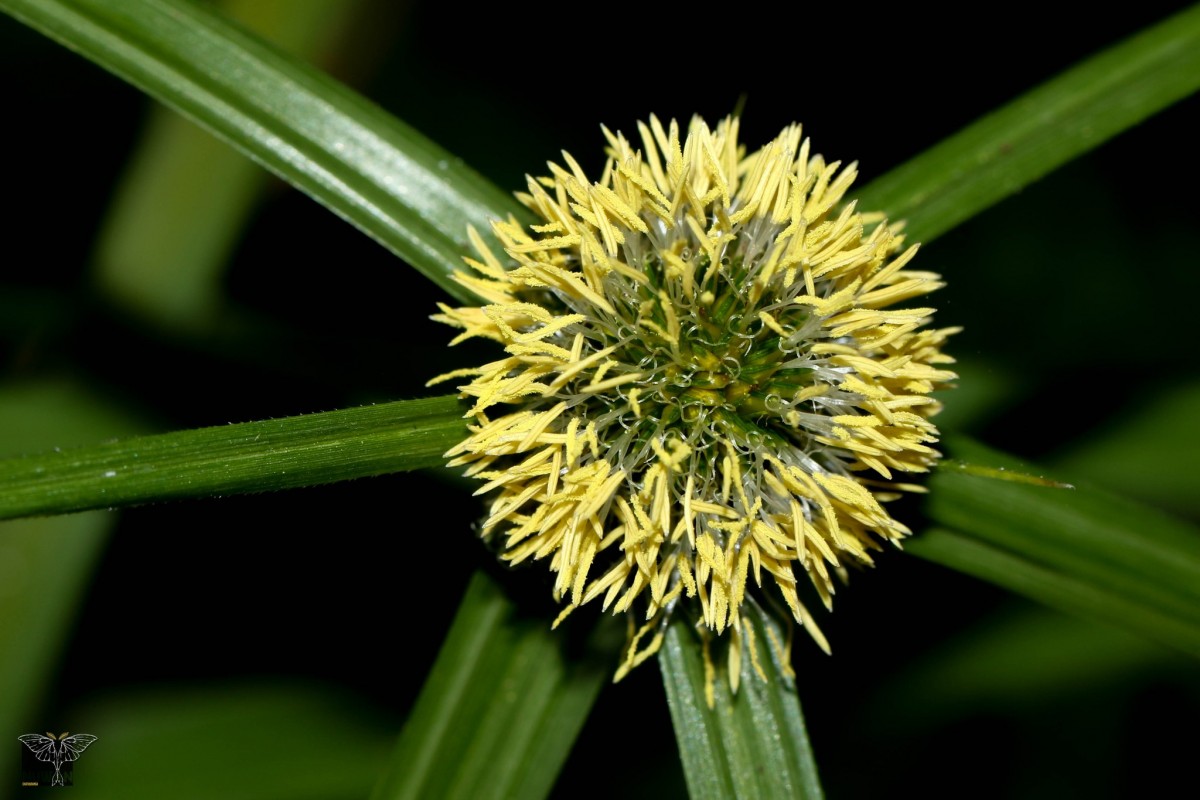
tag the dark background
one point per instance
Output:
(1076, 297)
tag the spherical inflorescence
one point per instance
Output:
(705, 377)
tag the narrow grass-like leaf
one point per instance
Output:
(968, 555)
(1082, 550)
(752, 744)
(500, 709)
(248, 457)
(1041, 130)
(355, 158)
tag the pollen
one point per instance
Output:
(706, 388)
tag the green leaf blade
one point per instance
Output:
(247, 457)
(753, 744)
(1015, 145)
(501, 707)
(1082, 550)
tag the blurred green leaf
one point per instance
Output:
(1150, 452)
(501, 707)
(247, 457)
(1015, 145)
(1016, 661)
(242, 742)
(44, 566)
(752, 744)
(353, 157)
(44, 563)
(1082, 550)
(982, 389)
(185, 195)
(35, 415)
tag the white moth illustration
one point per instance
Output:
(58, 749)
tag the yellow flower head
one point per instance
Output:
(705, 378)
